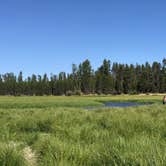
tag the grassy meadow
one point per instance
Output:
(41, 131)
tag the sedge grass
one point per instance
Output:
(59, 131)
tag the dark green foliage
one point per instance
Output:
(107, 79)
(104, 79)
(85, 71)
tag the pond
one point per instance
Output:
(124, 104)
(119, 104)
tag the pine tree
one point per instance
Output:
(85, 71)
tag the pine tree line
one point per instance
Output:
(107, 79)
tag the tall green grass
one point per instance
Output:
(59, 131)
(10, 155)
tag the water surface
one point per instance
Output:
(123, 104)
(118, 104)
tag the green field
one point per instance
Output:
(60, 131)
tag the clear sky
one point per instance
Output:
(38, 36)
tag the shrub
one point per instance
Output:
(69, 93)
(77, 92)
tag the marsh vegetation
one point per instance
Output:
(58, 131)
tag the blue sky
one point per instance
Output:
(38, 36)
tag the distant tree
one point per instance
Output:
(10, 83)
(45, 85)
(104, 80)
(2, 89)
(75, 78)
(163, 77)
(34, 85)
(118, 70)
(52, 83)
(98, 78)
(132, 80)
(156, 69)
(107, 79)
(85, 71)
(20, 84)
(126, 79)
